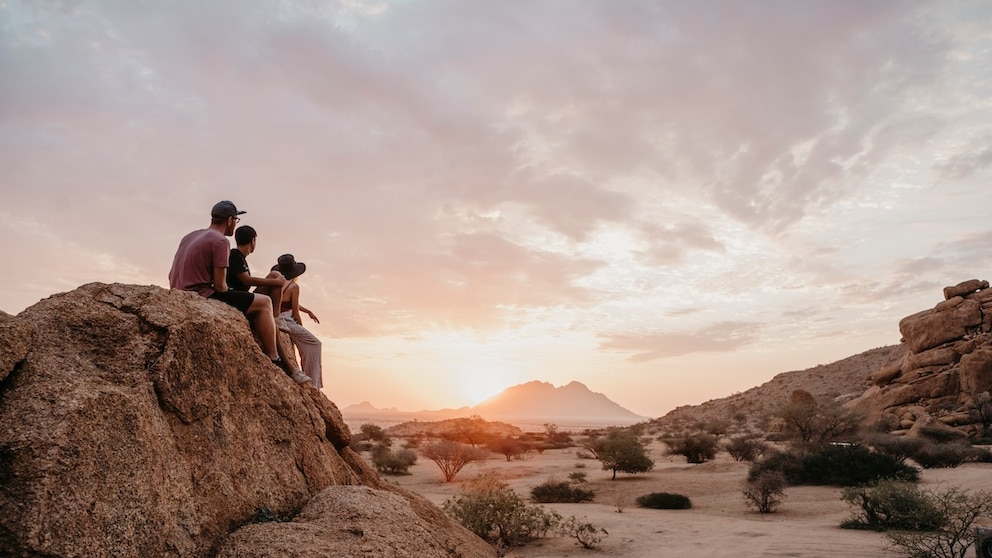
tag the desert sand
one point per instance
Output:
(719, 523)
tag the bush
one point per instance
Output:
(664, 501)
(391, 462)
(507, 447)
(745, 448)
(788, 463)
(766, 491)
(586, 533)
(957, 511)
(888, 505)
(835, 465)
(560, 493)
(899, 447)
(696, 448)
(942, 456)
(488, 507)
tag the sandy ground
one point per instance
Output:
(719, 523)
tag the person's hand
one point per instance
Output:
(279, 279)
(312, 316)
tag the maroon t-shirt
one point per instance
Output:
(198, 254)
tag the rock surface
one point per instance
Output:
(947, 363)
(138, 421)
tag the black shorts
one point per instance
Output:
(238, 299)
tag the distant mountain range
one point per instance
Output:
(530, 403)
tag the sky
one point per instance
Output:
(668, 201)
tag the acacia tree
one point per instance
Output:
(623, 452)
(981, 409)
(811, 424)
(451, 457)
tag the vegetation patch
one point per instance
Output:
(664, 501)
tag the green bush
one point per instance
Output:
(845, 465)
(918, 523)
(696, 448)
(745, 447)
(588, 535)
(559, 493)
(766, 491)
(788, 463)
(942, 456)
(890, 504)
(664, 501)
(854, 465)
(899, 447)
(392, 462)
(488, 507)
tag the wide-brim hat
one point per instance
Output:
(289, 267)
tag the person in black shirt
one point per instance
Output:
(239, 276)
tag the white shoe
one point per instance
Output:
(299, 377)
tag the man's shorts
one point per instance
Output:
(238, 299)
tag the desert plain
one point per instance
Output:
(807, 524)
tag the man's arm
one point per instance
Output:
(247, 279)
(220, 279)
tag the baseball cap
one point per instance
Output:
(225, 209)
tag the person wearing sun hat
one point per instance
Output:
(200, 265)
(289, 319)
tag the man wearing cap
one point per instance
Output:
(200, 265)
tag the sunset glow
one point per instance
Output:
(666, 201)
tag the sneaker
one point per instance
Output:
(283, 365)
(299, 377)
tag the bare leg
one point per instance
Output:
(275, 293)
(261, 315)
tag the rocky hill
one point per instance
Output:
(938, 377)
(138, 421)
(845, 379)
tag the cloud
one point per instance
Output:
(717, 338)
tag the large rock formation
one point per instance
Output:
(948, 362)
(137, 421)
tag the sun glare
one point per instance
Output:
(481, 379)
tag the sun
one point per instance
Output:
(480, 379)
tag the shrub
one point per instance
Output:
(586, 533)
(745, 448)
(664, 501)
(696, 448)
(942, 456)
(852, 466)
(953, 535)
(560, 493)
(392, 462)
(266, 515)
(788, 463)
(507, 447)
(834, 465)
(766, 491)
(889, 504)
(899, 447)
(577, 477)
(488, 507)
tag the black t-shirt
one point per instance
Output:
(236, 265)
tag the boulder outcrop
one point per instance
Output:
(946, 364)
(138, 421)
